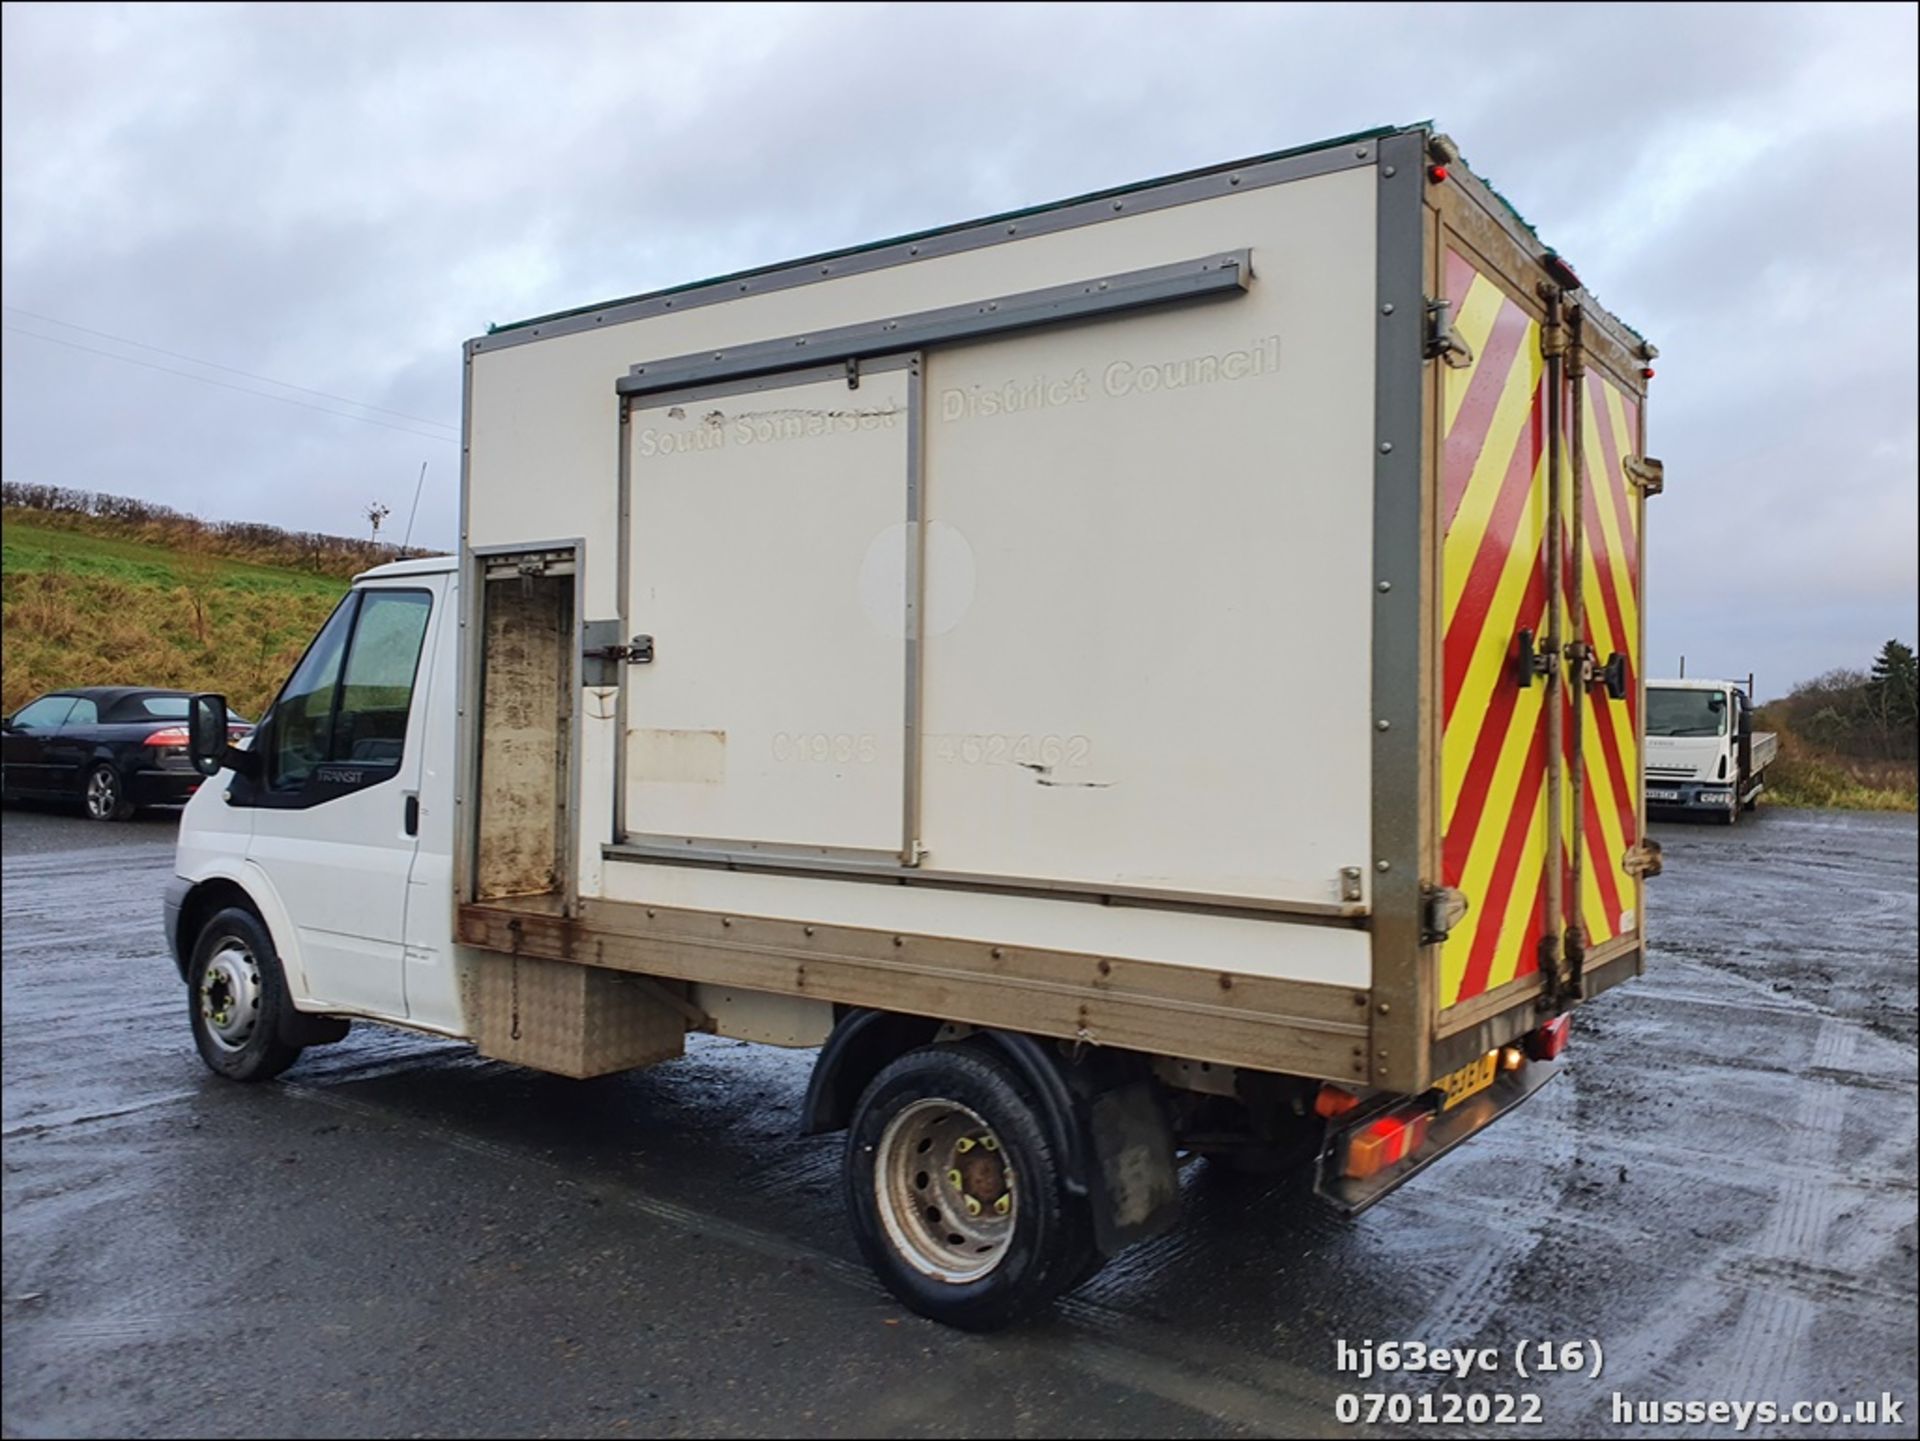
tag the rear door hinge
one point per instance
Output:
(1441, 909)
(1443, 342)
(1647, 473)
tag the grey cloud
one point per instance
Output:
(337, 196)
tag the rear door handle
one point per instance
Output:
(412, 820)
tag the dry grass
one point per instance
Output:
(1806, 775)
(1801, 778)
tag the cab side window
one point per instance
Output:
(341, 722)
(84, 713)
(376, 692)
(304, 712)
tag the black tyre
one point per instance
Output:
(953, 1181)
(237, 999)
(105, 796)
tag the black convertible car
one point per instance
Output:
(112, 748)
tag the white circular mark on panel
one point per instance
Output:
(947, 586)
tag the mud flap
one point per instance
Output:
(303, 1028)
(1135, 1187)
(1446, 1129)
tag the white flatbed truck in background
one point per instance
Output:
(1097, 673)
(1703, 755)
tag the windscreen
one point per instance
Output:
(1686, 712)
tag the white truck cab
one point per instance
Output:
(1702, 753)
(336, 827)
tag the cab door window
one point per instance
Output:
(299, 736)
(341, 722)
(376, 690)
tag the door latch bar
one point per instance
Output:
(638, 651)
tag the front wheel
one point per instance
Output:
(236, 997)
(954, 1184)
(106, 795)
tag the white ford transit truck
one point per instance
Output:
(1104, 675)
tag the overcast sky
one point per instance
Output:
(335, 197)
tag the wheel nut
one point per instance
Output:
(953, 1179)
(973, 1206)
(963, 1145)
(1003, 1205)
(990, 1143)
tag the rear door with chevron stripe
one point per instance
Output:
(1493, 522)
(1493, 585)
(1609, 571)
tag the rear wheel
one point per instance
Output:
(237, 999)
(106, 794)
(954, 1185)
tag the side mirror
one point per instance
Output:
(1745, 722)
(207, 733)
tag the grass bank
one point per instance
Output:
(1803, 777)
(83, 608)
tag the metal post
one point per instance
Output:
(1553, 344)
(1580, 654)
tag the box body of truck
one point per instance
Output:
(1103, 621)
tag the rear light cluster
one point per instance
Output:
(172, 736)
(1551, 1039)
(1392, 1138)
(1382, 1143)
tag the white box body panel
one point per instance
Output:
(1145, 602)
(772, 713)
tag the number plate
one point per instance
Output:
(1467, 1081)
(1663, 795)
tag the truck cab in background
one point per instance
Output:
(1703, 755)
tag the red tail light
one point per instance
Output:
(171, 736)
(1385, 1141)
(1551, 1039)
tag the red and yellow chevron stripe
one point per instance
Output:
(1493, 763)
(1493, 760)
(1609, 572)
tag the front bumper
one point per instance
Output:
(1689, 795)
(171, 900)
(163, 787)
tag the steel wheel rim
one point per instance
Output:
(945, 1191)
(230, 995)
(102, 793)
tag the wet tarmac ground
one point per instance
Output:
(400, 1239)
